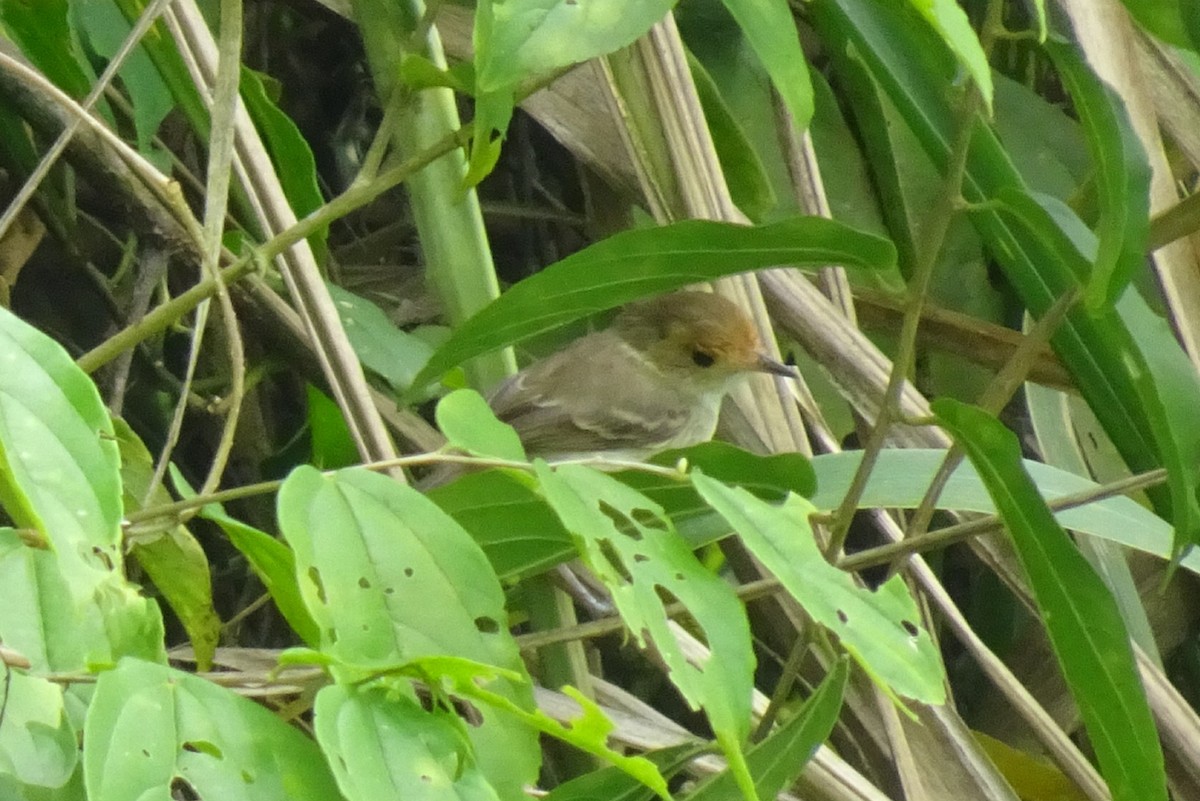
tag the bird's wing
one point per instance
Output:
(566, 404)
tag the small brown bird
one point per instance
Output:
(653, 380)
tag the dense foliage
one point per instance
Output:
(261, 536)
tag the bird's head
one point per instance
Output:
(700, 337)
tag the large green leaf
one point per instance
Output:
(744, 172)
(631, 546)
(517, 40)
(771, 30)
(293, 158)
(379, 344)
(648, 261)
(879, 628)
(154, 732)
(464, 417)
(38, 616)
(1122, 176)
(384, 745)
(43, 33)
(1080, 615)
(60, 477)
(59, 466)
(102, 25)
(389, 577)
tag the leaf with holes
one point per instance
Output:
(630, 544)
(879, 629)
(385, 745)
(389, 577)
(154, 732)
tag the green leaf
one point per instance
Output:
(160, 46)
(516, 529)
(1080, 615)
(171, 557)
(771, 31)
(642, 262)
(631, 546)
(906, 62)
(767, 476)
(40, 619)
(38, 744)
(1045, 144)
(518, 39)
(42, 31)
(522, 536)
(879, 628)
(779, 759)
(152, 731)
(468, 423)
(1176, 22)
(389, 577)
(60, 477)
(1169, 390)
(384, 745)
(379, 344)
(332, 444)
(952, 25)
(743, 169)
(59, 465)
(1164, 384)
(613, 784)
(902, 476)
(291, 155)
(105, 28)
(1122, 176)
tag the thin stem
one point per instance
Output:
(918, 288)
(416, 460)
(993, 399)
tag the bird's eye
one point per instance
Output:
(702, 358)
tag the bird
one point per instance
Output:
(652, 381)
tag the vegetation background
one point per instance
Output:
(242, 245)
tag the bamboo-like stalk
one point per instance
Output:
(458, 260)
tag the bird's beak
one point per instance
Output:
(765, 364)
